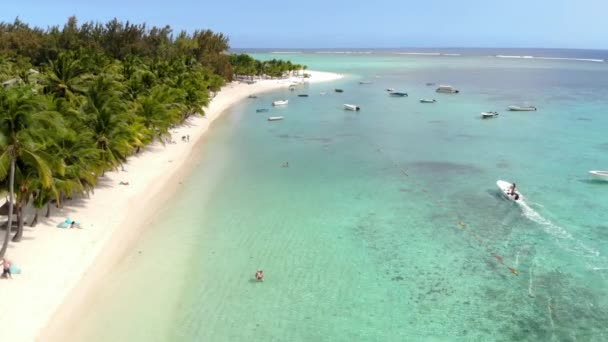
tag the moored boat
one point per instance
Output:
(275, 118)
(280, 103)
(261, 110)
(252, 96)
(338, 90)
(447, 89)
(487, 115)
(351, 107)
(365, 82)
(302, 95)
(522, 108)
(505, 188)
(599, 175)
(429, 84)
(427, 101)
(397, 94)
(390, 89)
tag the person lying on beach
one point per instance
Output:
(259, 275)
(6, 269)
(123, 183)
(75, 225)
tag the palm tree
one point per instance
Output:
(106, 115)
(23, 129)
(65, 76)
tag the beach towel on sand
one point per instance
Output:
(67, 223)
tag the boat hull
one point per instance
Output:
(351, 107)
(275, 118)
(505, 187)
(522, 109)
(599, 175)
(280, 103)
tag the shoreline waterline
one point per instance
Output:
(61, 267)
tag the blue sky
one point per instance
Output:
(339, 23)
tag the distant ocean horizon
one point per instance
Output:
(592, 55)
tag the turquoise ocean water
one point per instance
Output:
(387, 224)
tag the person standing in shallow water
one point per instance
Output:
(259, 275)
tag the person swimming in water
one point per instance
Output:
(259, 275)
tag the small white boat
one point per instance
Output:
(505, 188)
(365, 82)
(351, 107)
(275, 118)
(280, 103)
(448, 89)
(488, 115)
(522, 108)
(599, 175)
(390, 89)
(427, 101)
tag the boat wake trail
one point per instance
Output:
(564, 238)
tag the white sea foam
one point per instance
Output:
(286, 52)
(552, 58)
(419, 53)
(558, 232)
(346, 52)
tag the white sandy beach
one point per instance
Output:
(58, 263)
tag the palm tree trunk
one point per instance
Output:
(35, 220)
(48, 210)
(10, 208)
(19, 233)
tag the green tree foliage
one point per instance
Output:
(78, 100)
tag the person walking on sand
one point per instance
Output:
(6, 269)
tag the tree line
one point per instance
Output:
(78, 100)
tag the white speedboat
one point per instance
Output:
(488, 115)
(280, 103)
(522, 108)
(505, 188)
(599, 175)
(448, 89)
(390, 89)
(275, 118)
(427, 101)
(351, 107)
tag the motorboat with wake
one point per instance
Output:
(351, 107)
(488, 115)
(505, 187)
(599, 175)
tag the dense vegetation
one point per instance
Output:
(77, 101)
